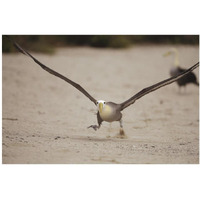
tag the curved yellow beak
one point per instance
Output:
(100, 107)
(167, 54)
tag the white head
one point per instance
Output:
(173, 51)
(100, 105)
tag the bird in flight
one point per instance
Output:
(176, 69)
(108, 111)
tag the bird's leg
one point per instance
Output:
(185, 90)
(179, 90)
(121, 131)
(95, 127)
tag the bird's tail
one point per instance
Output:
(196, 83)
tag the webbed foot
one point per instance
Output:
(121, 134)
(95, 127)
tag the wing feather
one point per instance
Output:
(156, 86)
(77, 86)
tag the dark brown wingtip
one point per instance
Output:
(19, 48)
(16, 45)
(49, 70)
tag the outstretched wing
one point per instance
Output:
(156, 86)
(77, 86)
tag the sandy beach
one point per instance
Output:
(45, 119)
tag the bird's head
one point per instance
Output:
(170, 52)
(174, 52)
(100, 105)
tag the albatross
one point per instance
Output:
(108, 111)
(176, 69)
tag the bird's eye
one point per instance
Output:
(103, 102)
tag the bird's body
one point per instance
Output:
(176, 70)
(108, 111)
(189, 78)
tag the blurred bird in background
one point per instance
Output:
(176, 69)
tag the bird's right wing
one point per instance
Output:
(156, 86)
(77, 86)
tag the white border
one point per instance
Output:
(99, 181)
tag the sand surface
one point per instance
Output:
(45, 120)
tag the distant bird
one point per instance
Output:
(176, 69)
(109, 111)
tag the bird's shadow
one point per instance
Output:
(93, 138)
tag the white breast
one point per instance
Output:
(107, 114)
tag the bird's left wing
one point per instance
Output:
(77, 86)
(156, 86)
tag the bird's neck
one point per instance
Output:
(106, 113)
(176, 59)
